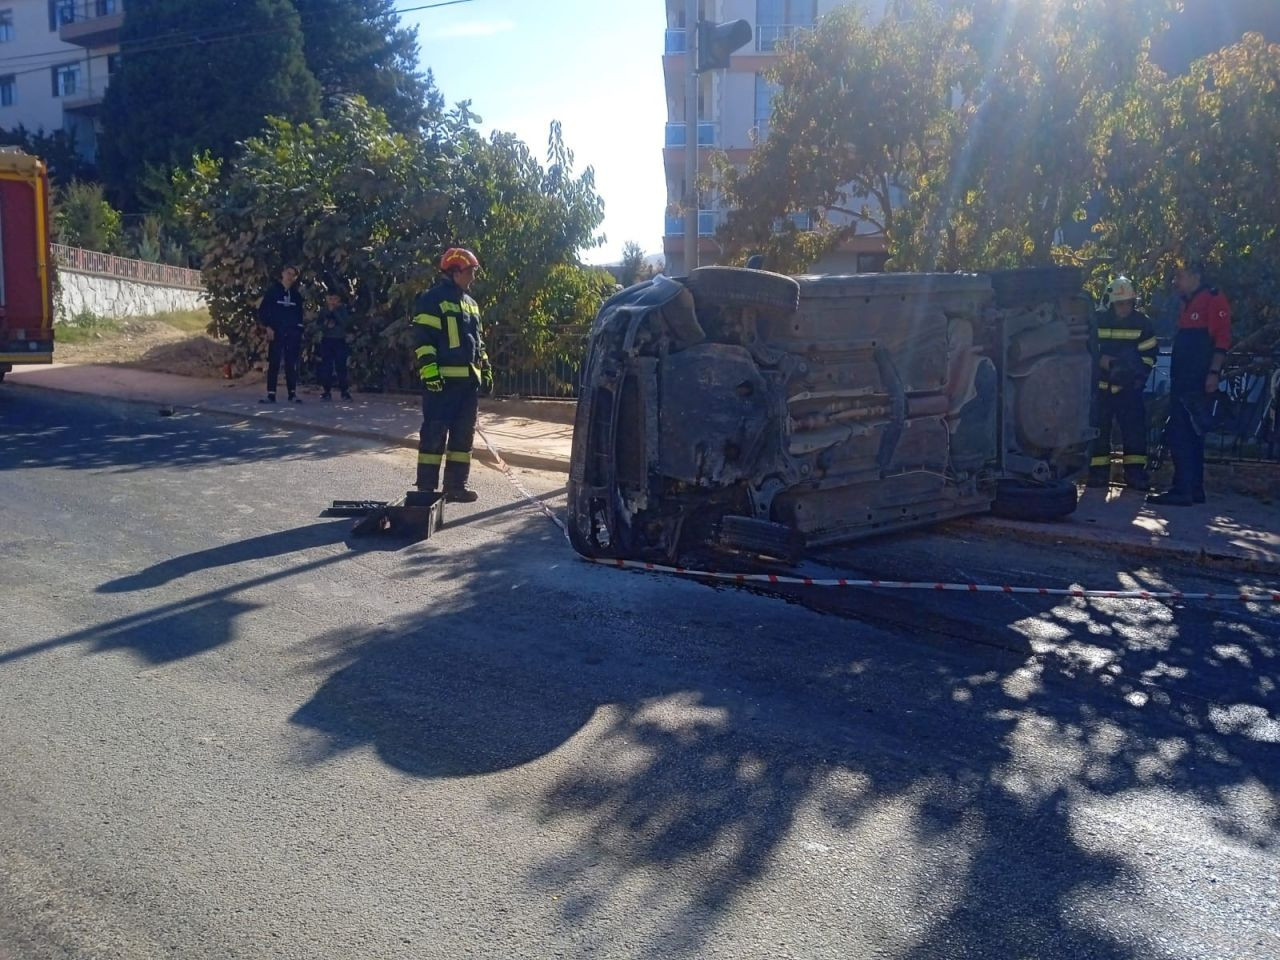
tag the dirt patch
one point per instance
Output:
(150, 345)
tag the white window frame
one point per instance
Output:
(61, 72)
(7, 32)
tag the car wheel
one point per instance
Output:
(1035, 284)
(761, 537)
(722, 286)
(1026, 500)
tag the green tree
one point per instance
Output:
(199, 75)
(860, 110)
(965, 133)
(366, 209)
(1191, 164)
(358, 47)
(82, 217)
(58, 150)
(631, 270)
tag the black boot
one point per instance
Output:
(326, 395)
(1099, 477)
(346, 394)
(1135, 478)
(1171, 498)
(460, 495)
(269, 398)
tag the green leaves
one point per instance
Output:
(368, 210)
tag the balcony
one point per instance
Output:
(770, 35)
(706, 224)
(90, 23)
(677, 42)
(675, 136)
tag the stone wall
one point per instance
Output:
(115, 287)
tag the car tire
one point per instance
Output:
(722, 286)
(1035, 284)
(1026, 500)
(762, 538)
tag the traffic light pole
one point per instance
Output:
(691, 139)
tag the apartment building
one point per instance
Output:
(733, 116)
(56, 59)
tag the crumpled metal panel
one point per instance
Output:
(713, 414)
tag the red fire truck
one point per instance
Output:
(26, 278)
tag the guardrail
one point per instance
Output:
(108, 265)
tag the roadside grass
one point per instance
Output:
(86, 326)
(188, 321)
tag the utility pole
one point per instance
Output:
(691, 138)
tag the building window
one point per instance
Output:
(113, 63)
(8, 90)
(765, 92)
(104, 7)
(777, 20)
(6, 26)
(66, 79)
(60, 12)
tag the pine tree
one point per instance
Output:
(199, 75)
(359, 47)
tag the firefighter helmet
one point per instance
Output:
(458, 258)
(1121, 288)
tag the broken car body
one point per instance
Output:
(761, 413)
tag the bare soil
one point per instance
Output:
(150, 345)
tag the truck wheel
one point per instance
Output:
(1025, 500)
(1035, 285)
(721, 286)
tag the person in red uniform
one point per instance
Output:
(1199, 351)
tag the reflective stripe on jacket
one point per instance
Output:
(448, 342)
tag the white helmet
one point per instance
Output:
(1121, 288)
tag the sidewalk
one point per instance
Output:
(1231, 527)
(394, 419)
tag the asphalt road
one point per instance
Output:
(225, 731)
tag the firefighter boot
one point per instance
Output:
(1135, 478)
(1099, 477)
(460, 495)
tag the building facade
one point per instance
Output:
(56, 59)
(733, 116)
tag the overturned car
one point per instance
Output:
(762, 414)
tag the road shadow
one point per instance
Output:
(47, 429)
(699, 732)
(278, 544)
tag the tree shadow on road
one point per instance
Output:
(702, 733)
(73, 434)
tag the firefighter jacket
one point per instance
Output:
(1131, 347)
(1204, 328)
(448, 343)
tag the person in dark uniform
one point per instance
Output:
(453, 367)
(334, 322)
(1127, 348)
(1199, 351)
(281, 313)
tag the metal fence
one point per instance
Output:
(552, 373)
(143, 271)
(1244, 415)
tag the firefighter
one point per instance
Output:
(1199, 352)
(454, 369)
(1127, 352)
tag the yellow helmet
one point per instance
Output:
(1121, 288)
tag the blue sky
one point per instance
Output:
(594, 65)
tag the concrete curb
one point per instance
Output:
(1154, 549)
(516, 458)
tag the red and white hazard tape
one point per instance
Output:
(742, 579)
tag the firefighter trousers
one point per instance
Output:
(448, 430)
(1126, 409)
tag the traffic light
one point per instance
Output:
(716, 41)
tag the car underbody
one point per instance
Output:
(764, 414)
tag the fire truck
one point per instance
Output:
(26, 269)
